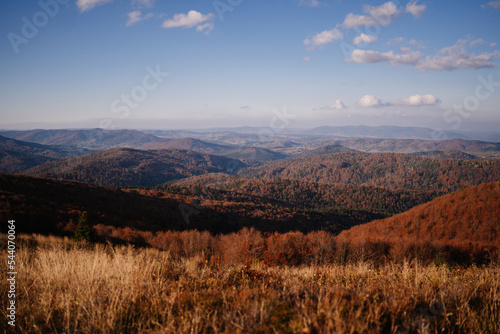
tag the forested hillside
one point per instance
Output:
(387, 170)
(468, 215)
(129, 167)
(18, 155)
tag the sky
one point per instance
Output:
(223, 63)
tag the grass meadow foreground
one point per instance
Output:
(67, 287)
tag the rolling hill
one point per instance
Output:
(468, 215)
(16, 155)
(417, 145)
(312, 195)
(189, 144)
(386, 170)
(250, 154)
(448, 154)
(94, 139)
(129, 167)
(325, 150)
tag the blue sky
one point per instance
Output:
(197, 64)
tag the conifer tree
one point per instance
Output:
(84, 231)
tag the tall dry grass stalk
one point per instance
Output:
(65, 287)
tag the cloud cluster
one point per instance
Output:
(324, 38)
(370, 56)
(447, 59)
(382, 15)
(190, 20)
(371, 101)
(202, 22)
(85, 5)
(418, 101)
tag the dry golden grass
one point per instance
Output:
(65, 287)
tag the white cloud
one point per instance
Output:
(457, 61)
(417, 101)
(387, 9)
(449, 58)
(353, 20)
(382, 15)
(189, 20)
(370, 101)
(307, 59)
(324, 38)
(364, 38)
(136, 16)
(456, 57)
(414, 9)
(369, 56)
(85, 5)
(310, 3)
(492, 4)
(337, 105)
